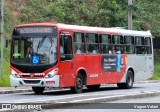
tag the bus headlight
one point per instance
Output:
(14, 74)
(52, 73)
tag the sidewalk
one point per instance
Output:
(9, 90)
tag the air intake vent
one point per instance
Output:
(31, 81)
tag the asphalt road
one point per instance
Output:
(106, 94)
(65, 96)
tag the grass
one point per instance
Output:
(156, 75)
(4, 79)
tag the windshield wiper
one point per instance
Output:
(40, 43)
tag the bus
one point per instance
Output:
(58, 55)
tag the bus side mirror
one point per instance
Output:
(7, 43)
(63, 57)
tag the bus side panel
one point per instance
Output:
(113, 68)
(143, 66)
(93, 68)
(150, 65)
(80, 63)
(67, 78)
(138, 62)
(117, 76)
(106, 78)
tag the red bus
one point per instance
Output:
(60, 55)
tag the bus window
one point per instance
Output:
(140, 48)
(129, 45)
(117, 41)
(79, 43)
(92, 43)
(18, 50)
(66, 47)
(128, 40)
(148, 45)
(105, 44)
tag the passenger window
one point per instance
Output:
(117, 41)
(148, 45)
(105, 44)
(128, 40)
(139, 41)
(66, 47)
(79, 43)
(129, 47)
(140, 46)
(92, 43)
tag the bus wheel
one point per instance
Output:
(38, 90)
(94, 87)
(129, 81)
(79, 84)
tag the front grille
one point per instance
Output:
(32, 69)
(28, 76)
(31, 81)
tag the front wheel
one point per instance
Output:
(129, 81)
(38, 90)
(79, 84)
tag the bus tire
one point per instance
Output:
(93, 87)
(78, 88)
(38, 90)
(129, 81)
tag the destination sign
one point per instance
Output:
(35, 30)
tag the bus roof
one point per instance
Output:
(78, 28)
(107, 30)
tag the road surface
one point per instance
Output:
(107, 93)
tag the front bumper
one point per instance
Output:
(37, 82)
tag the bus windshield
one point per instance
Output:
(34, 50)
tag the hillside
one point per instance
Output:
(112, 13)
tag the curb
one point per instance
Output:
(15, 91)
(148, 81)
(75, 104)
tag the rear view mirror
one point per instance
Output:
(7, 42)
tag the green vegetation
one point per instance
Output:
(104, 13)
(4, 81)
(156, 75)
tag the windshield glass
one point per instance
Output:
(34, 50)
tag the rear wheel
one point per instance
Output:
(129, 81)
(94, 87)
(79, 84)
(38, 90)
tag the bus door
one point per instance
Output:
(149, 55)
(66, 60)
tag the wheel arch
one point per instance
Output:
(131, 69)
(125, 74)
(128, 79)
(81, 77)
(83, 72)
